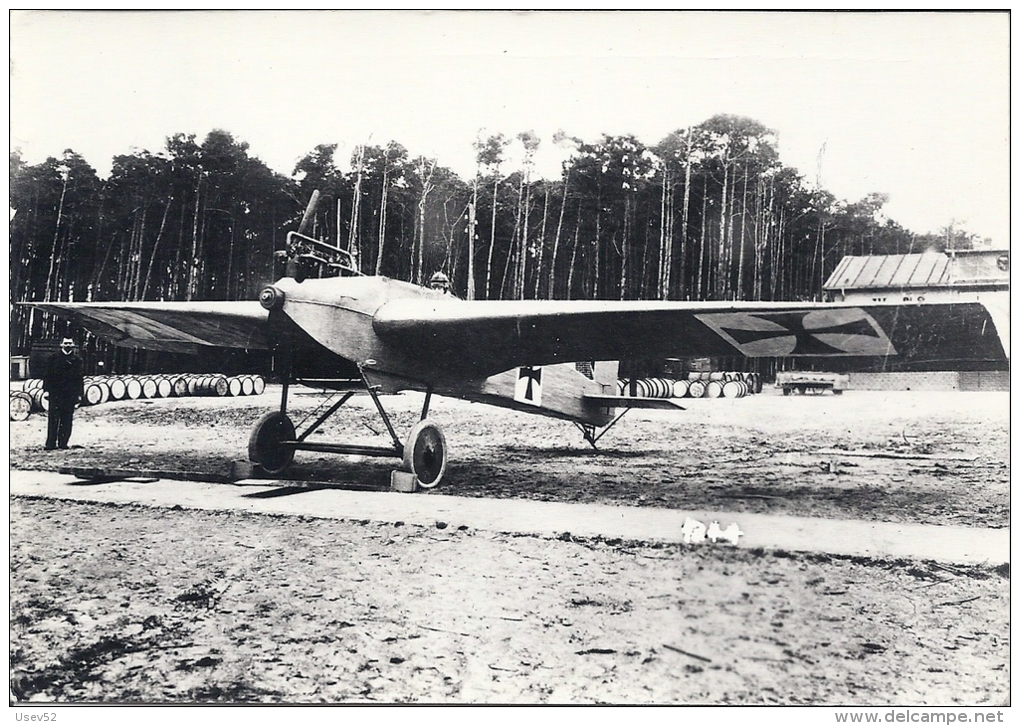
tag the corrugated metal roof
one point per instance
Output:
(928, 269)
(907, 266)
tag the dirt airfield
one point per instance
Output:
(124, 603)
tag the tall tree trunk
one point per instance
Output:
(127, 264)
(686, 215)
(598, 248)
(418, 222)
(98, 277)
(539, 276)
(516, 247)
(573, 254)
(556, 241)
(743, 225)
(721, 272)
(647, 289)
(125, 249)
(231, 282)
(703, 249)
(202, 286)
(193, 261)
(665, 235)
(492, 240)
(472, 222)
(419, 277)
(523, 272)
(426, 188)
(511, 262)
(782, 291)
(155, 248)
(50, 284)
(382, 220)
(352, 240)
(625, 251)
(135, 267)
(816, 293)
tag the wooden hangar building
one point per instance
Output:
(959, 275)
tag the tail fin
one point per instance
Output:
(606, 372)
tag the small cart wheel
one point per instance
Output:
(425, 454)
(264, 447)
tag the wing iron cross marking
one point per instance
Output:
(836, 332)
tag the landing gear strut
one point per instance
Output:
(275, 439)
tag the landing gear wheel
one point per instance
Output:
(264, 445)
(425, 454)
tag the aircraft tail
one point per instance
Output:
(583, 392)
(605, 373)
(559, 390)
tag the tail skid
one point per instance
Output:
(592, 434)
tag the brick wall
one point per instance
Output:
(984, 380)
(931, 381)
(909, 381)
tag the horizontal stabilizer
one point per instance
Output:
(635, 402)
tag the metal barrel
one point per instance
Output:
(134, 388)
(93, 394)
(21, 405)
(734, 389)
(41, 399)
(149, 388)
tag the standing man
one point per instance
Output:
(64, 380)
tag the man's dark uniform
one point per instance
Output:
(64, 380)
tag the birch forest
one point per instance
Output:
(708, 213)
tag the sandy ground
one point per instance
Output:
(127, 603)
(756, 454)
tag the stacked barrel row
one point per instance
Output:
(100, 389)
(718, 384)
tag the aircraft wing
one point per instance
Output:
(173, 326)
(484, 337)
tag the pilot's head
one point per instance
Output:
(440, 281)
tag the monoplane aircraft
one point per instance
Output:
(386, 336)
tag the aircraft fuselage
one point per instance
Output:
(325, 325)
(334, 316)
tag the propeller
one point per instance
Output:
(290, 255)
(306, 256)
(306, 220)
